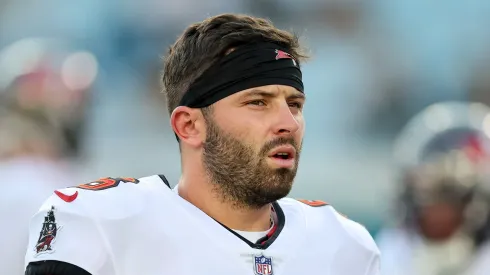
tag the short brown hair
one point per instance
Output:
(202, 44)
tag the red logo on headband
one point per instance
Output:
(284, 55)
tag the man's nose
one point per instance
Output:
(285, 122)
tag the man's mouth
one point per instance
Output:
(283, 156)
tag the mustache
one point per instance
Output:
(280, 141)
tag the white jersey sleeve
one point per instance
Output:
(65, 230)
(363, 256)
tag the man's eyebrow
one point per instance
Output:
(258, 92)
(297, 96)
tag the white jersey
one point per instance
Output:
(141, 226)
(26, 184)
(407, 254)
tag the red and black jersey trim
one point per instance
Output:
(266, 241)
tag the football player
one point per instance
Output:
(444, 205)
(235, 94)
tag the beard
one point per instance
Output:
(241, 176)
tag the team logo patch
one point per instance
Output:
(263, 265)
(48, 234)
(284, 55)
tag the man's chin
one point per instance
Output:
(279, 194)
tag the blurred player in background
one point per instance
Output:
(40, 122)
(29, 167)
(53, 77)
(234, 89)
(443, 209)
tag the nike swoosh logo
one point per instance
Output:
(67, 198)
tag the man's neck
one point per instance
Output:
(205, 198)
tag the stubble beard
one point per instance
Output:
(241, 177)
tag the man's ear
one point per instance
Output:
(188, 126)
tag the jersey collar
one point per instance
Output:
(278, 216)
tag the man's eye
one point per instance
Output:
(295, 105)
(257, 102)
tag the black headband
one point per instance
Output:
(248, 66)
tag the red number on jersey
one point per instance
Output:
(314, 203)
(106, 183)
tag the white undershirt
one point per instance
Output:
(252, 236)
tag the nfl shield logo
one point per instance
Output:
(263, 265)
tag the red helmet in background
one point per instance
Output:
(443, 155)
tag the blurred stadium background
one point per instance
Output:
(85, 79)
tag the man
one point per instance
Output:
(234, 90)
(444, 222)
